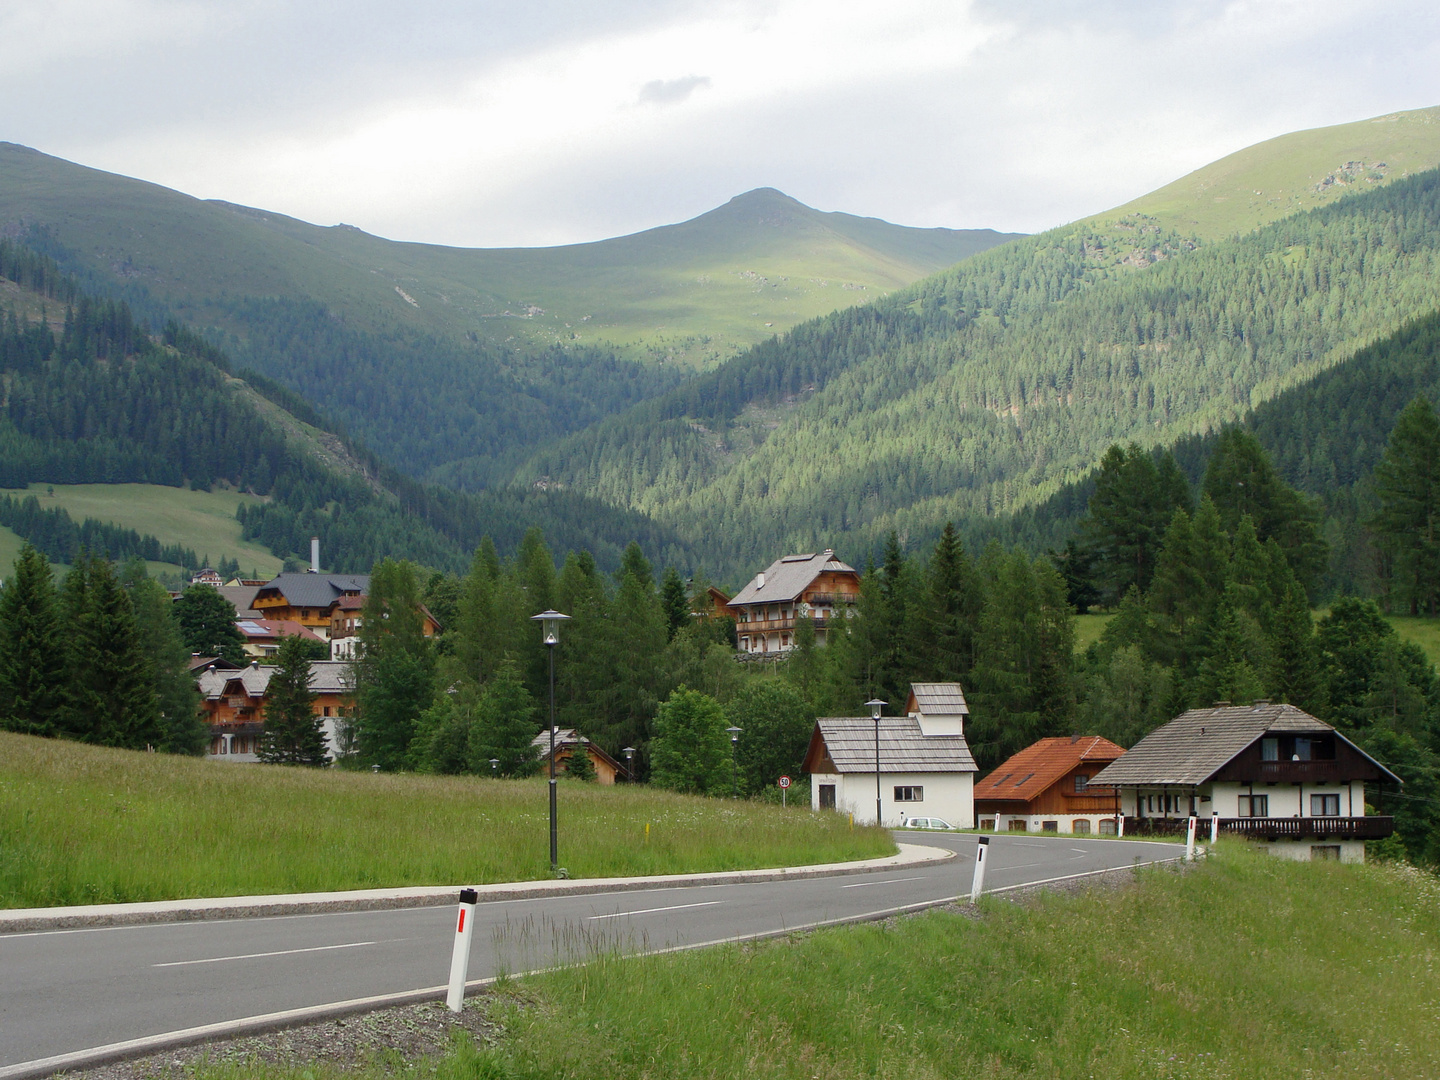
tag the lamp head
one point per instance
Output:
(734, 733)
(876, 707)
(550, 623)
(629, 753)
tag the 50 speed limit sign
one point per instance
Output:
(784, 782)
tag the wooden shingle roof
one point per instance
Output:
(785, 579)
(849, 743)
(937, 699)
(1026, 774)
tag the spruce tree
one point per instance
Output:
(1407, 484)
(32, 649)
(395, 672)
(578, 765)
(506, 722)
(293, 733)
(950, 610)
(1296, 675)
(111, 699)
(676, 601)
(184, 730)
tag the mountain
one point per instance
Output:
(93, 398)
(1285, 175)
(987, 388)
(457, 363)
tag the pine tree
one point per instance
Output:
(950, 611)
(1133, 502)
(293, 733)
(207, 624)
(675, 599)
(184, 730)
(395, 672)
(1407, 484)
(111, 698)
(505, 725)
(1296, 676)
(578, 765)
(32, 649)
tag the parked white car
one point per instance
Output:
(925, 823)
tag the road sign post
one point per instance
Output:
(460, 957)
(981, 851)
(1190, 840)
(784, 790)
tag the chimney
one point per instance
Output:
(314, 554)
(760, 580)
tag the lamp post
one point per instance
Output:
(494, 766)
(734, 733)
(550, 622)
(876, 708)
(629, 753)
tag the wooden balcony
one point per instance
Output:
(1375, 827)
(1307, 772)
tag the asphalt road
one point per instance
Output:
(70, 990)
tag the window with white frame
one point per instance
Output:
(1254, 805)
(909, 794)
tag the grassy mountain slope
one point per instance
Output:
(100, 402)
(985, 389)
(698, 289)
(1294, 172)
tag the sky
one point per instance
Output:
(556, 121)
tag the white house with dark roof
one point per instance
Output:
(816, 587)
(1269, 772)
(925, 766)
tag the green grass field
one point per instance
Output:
(83, 824)
(1088, 629)
(1245, 966)
(1424, 631)
(201, 520)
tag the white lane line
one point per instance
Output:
(259, 955)
(891, 881)
(650, 910)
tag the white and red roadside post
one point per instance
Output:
(1214, 825)
(1120, 825)
(997, 821)
(784, 782)
(982, 850)
(460, 958)
(1190, 840)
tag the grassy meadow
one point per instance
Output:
(82, 824)
(201, 520)
(1244, 966)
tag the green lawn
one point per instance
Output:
(1088, 629)
(85, 824)
(202, 520)
(1424, 631)
(1244, 966)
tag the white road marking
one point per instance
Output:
(891, 881)
(259, 955)
(651, 910)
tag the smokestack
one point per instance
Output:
(314, 554)
(759, 581)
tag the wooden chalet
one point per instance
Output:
(1046, 788)
(309, 599)
(816, 587)
(1272, 773)
(233, 704)
(568, 741)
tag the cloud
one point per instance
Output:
(663, 92)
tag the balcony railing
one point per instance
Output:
(1375, 827)
(1304, 771)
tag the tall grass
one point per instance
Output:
(83, 824)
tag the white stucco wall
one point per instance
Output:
(1351, 851)
(1286, 800)
(1064, 823)
(946, 795)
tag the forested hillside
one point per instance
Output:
(101, 401)
(985, 389)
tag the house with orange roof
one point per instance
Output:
(1046, 788)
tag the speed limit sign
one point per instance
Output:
(784, 789)
(784, 781)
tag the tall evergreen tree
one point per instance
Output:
(1133, 503)
(950, 611)
(32, 649)
(293, 733)
(505, 725)
(395, 672)
(675, 599)
(111, 699)
(1407, 484)
(1296, 676)
(184, 730)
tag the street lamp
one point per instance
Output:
(876, 707)
(494, 766)
(734, 733)
(629, 753)
(550, 622)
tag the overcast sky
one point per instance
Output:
(552, 121)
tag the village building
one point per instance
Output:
(1272, 773)
(568, 741)
(925, 766)
(309, 599)
(233, 704)
(262, 636)
(816, 587)
(1046, 788)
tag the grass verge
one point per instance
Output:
(83, 824)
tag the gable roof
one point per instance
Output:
(785, 579)
(937, 699)
(270, 629)
(1190, 749)
(314, 590)
(566, 738)
(1025, 775)
(849, 742)
(326, 677)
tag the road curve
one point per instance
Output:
(80, 990)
